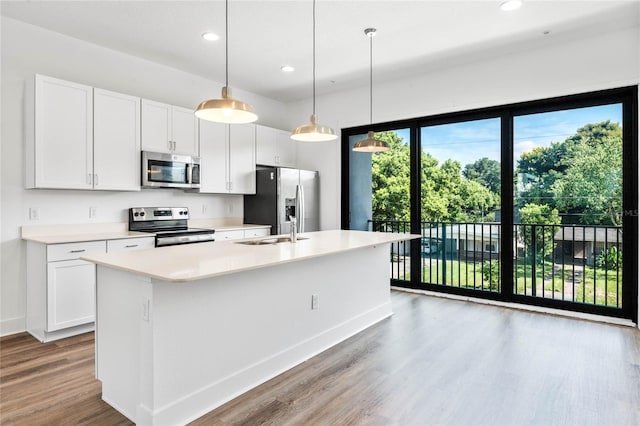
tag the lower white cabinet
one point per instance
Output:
(71, 293)
(127, 244)
(236, 234)
(257, 232)
(61, 288)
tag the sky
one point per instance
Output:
(469, 141)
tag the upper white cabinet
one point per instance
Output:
(227, 158)
(59, 149)
(82, 138)
(275, 147)
(116, 141)
(168, 128)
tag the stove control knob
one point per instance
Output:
(142, 214)
(136, 214)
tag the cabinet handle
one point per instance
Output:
(173, 144)
(89, 179)
(170, 145)
(95, 179)
(77, 251)
(131, 246)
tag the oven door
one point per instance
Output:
(160, 170)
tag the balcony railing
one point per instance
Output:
(579, 264)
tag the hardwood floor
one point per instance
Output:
(436, 361)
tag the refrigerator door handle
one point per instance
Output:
(300, 208)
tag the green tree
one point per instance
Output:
(484, 171)
(592, 182)
(391, 176)
(538, 240)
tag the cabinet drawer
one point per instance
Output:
(70, 251)
(259, 232)
(130, 244)
(229, 235)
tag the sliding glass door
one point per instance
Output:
(525, 203)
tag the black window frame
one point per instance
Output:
(627, 96)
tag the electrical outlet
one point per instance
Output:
(92, 212)
(314, 301)
(145, 310)
(204, 209)
(34, 213)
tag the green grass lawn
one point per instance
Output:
(591, 285)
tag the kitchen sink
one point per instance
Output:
(268, 241)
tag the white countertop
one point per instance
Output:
(60, 234)
(190, 262)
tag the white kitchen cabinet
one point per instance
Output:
(227, 158)
(275, 147)
(116, 141)
(81, 137)
(127, 244)
(257, 232)
(168, 128)
(232, 234)
(71, 290)
(61, 289)
(59, 134)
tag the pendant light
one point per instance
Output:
(226, 109)
(313, 132)
(370, 144)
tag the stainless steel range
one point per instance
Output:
(170, 224)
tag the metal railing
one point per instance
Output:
(578, 264)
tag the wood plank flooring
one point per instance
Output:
(436, 361)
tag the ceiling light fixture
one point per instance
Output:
(370, 144)
(287, 68)
(510, 5)
(313, 132)
(209, 36)
(227, 109)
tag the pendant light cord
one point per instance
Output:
(226, 42)
(371, 79)
(314, 57)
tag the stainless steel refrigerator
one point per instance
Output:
(283, 192)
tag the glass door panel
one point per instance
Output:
(460, 204)
(568, 205)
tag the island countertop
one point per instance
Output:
(191, 262)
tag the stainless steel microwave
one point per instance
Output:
(162, 170)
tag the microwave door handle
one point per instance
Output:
(189, 174)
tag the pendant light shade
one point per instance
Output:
(313, 132)
(226, 109)
(371, 144)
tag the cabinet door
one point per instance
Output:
(63, 134)
(156, 126)
(287, 152)
(116, 141)
(229, 235)
(257, 232)
(266, 145)
(128, 244)
(213, 157)
(71, 290)
(242, 159)
(184, 131)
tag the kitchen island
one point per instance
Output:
(181, 330)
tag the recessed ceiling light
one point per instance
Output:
(510, 5)
(287, 68)
(209, 36)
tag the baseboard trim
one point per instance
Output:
(13, 326)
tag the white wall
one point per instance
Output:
(560, 67)
(27, 50)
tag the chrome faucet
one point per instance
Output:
(293, 235)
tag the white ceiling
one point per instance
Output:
(412, 37)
